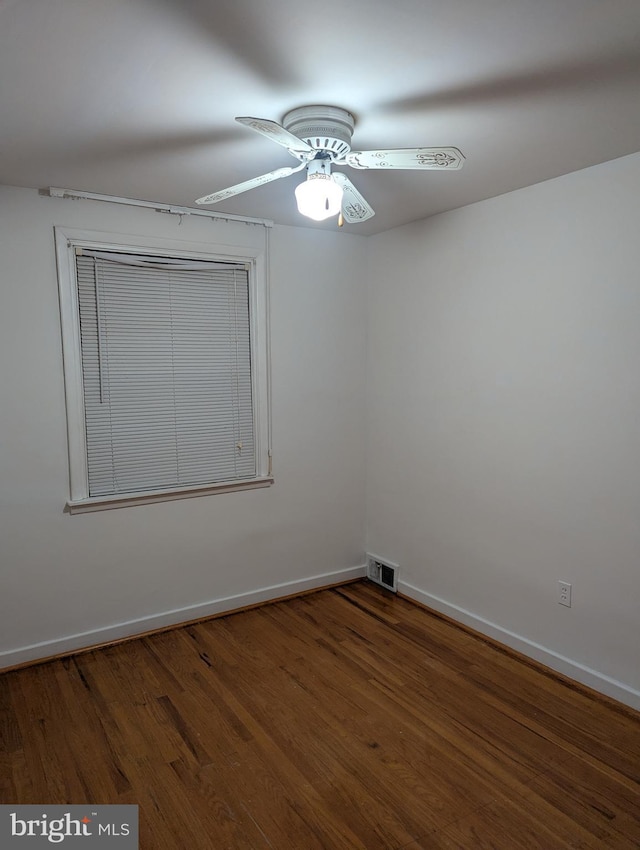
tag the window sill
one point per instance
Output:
(109, 503)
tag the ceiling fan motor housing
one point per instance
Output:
(327, 129)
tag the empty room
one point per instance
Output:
(320, 485)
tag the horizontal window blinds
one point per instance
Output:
(166, 363)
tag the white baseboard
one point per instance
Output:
(572, 669)
(130, 628)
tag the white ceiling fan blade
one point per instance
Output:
(273, 130)
(354, 206)
(223, 194)
(439, 159)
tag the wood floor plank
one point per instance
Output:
(526, 823)
(565, 716)
(349, 719)
(591, 797)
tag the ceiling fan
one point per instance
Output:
(320, 137)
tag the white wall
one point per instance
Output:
(63, 575)
(502, 422)
(504, 417)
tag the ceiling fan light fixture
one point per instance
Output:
(318, 136)
(319, 197)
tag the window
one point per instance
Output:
(165, 368)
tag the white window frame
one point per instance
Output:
(67, 240)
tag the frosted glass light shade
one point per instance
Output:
(319, 197)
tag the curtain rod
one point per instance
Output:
(74, 194)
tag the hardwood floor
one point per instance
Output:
(344, 719)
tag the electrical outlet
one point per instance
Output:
(564, 593)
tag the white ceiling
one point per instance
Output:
(137, 97)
